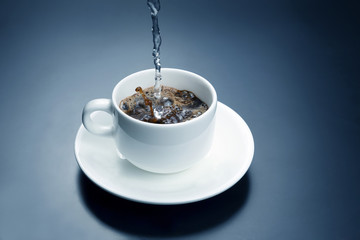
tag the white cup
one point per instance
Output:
(159, 148)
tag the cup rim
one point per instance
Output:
(173, 125)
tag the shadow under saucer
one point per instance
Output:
(162, 220)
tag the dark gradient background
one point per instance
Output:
(289, 68)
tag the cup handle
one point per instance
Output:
(101, 104)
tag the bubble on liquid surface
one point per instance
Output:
(166, 102)
(124, 106)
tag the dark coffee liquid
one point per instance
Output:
(174, 106)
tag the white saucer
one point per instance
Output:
(226, 164)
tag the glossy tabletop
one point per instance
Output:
(290, 69)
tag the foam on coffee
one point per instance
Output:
(174, 106)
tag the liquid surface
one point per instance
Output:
(174, 106)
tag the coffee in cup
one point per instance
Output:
(174, 106)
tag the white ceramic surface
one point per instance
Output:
(149, 146)
(227, 162)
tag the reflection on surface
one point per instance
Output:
(162, 220)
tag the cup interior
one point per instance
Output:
(176, 78)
